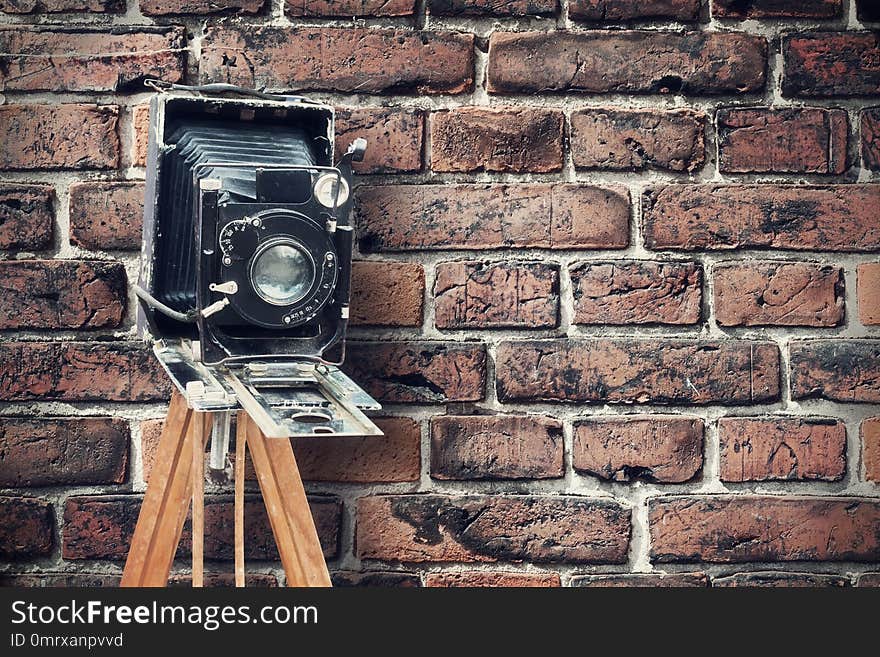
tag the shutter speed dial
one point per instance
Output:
(239, 239)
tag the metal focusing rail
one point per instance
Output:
(285, 398)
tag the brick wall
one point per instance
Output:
(618, 286)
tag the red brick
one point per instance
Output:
(664, 449)
(394, 137)
(869, 579)
(61, 6)
(840, 370)
(27, 529)
(51, 451)
(508, 139)
(38, 137)
(100, 527)
(491, 7)
(497, 216)
(366, 8)
(106, 216)
(69, 294)
(627, 10)
(364, 60)
(735, 528)
(491, 579)
(868, 284)
(84, 59)
(397, 579)
(387, 293)
(66, 580)
(496, 447)
(638, 371)
(643, 580)
(636, 292)
(26, 216)
(797, 217)
(868, 11)
(140, 123)
(772, 579)
(418, 371)
(797, 140)
(80, 371)
(396, 456)
(870, 134)
(166, 7)
(477, 295)
(440, 528)
(638, 139)
(778, 293)
(870, 434)
(782, 449)
(829, 64)
(627, 62)
(777, 9)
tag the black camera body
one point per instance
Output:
(247, 234)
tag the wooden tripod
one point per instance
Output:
(178, 477)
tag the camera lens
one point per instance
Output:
(282, 273)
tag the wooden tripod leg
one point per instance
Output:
(240, 452)
(198, 501)
(166, 502)
(288, 509)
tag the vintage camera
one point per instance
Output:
(246, 261)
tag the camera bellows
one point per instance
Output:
(230, 153)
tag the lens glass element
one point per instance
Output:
(282, 274)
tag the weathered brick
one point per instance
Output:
(869, 579)
(786, 449)
(28, 527)
(796, 140)
(508, 139)
(69, 294)
(868, 285)
(870, 435)
(735, 528)
(83, 59)
(48, 580)
(841, 370)
(829, 64)
(692, 63)
(418, 371)
(470, 294)
(627, 10)
(638, 371)
(496, 447)
(491, 7)
(101, 527)
(643, 580)
(393, 457)
(438, 528)
(38, 136)
(630, 140)
(796, 217)
(777, 8)
(665, 449)
(226, 580)
(561, 216)
(171, 7)
(51, 451)
(870, 135)
(80, 371)
(491, 579)
(868, 10)
(636, 292)
(387, 293)
(61, 6)
(105, 216)
(364, 60)
(26, 216)
(394, 137)
(778, 293)
(384, 579)
(773, 579)
(365, 8)
(140, 124)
